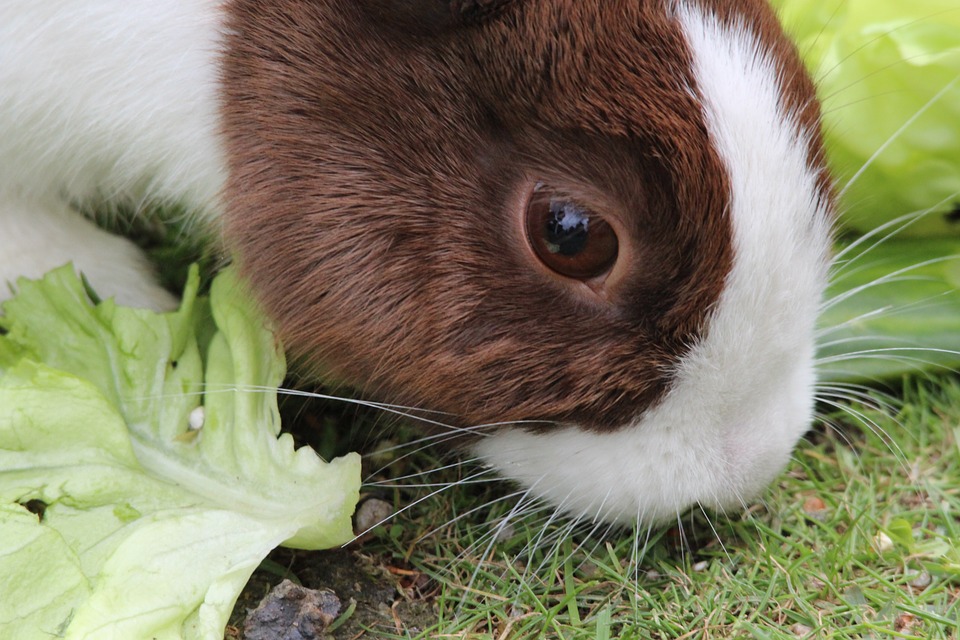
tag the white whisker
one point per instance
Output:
(716, 534)
(470, 512)
(890, 353)
(407, 508)
(874, 427)
(398, 483)
(891, 277)
(885, 231)
(906, 125)
(496, 532)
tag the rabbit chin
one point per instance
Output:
(743, 396)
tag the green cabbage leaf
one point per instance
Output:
(888, 76)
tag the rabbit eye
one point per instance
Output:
(568, 238)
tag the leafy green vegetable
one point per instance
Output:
(888, 74)
(893, 309)
(117, 518)
(883, 66)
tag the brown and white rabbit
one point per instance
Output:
(593, 233)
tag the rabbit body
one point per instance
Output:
(389, 174)
(103, 103)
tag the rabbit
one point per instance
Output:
(592, 235)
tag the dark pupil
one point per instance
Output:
(567, 228)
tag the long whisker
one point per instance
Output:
(889, 311)
(888, 353)
(455, 433)
(410, 506)
(858, 393)
(599, 538)
(866, 43)
(891, 277)
(404, 412)
(906, 125)
(399, 481)
(835, 429)
(822, 31)
(470, 512)
(874, 426)
(885, 231)
(716, 534)
(415, 447)
(497, 531)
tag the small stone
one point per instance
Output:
(801, 630)
(920, 580)
(882, 542)
(371, 513)
(292, 612)
(701, 566)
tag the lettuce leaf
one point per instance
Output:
(894, 310)
(888, 73)
(120, 519)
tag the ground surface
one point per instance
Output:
(859, 539)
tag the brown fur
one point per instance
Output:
(376, 174)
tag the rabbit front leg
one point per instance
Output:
(39, 234)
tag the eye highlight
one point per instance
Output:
(567, 237)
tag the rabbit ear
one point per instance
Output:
(433, 16)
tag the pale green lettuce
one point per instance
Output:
(151, 529)
(888, 73)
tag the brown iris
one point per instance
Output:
(569, 238)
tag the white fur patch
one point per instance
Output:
(38, 234)
(111, 99)
(103, 101)
(744, 395)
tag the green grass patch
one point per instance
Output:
(860, 538)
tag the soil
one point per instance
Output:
(387, 601)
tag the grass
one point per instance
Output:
(860, 538)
